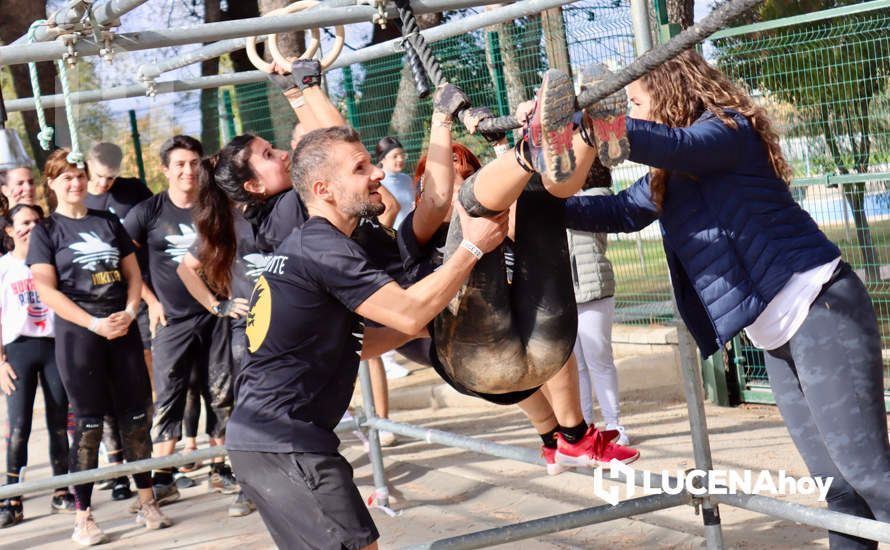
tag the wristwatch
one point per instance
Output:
(214, 309)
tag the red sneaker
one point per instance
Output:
(594, 450)
(553, 467)
(550, 131)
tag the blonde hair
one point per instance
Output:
(684, 88)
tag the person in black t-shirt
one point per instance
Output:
(184, 335)
(109, 192)
(305, 335)
(84, 269)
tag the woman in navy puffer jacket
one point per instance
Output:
(744, 255)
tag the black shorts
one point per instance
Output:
(144, 326)
(306, 500)
(201, 342)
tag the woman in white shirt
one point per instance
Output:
(27, 355)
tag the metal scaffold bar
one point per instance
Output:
(434, 34)
(106, 14)
(210, 32)
(554, 524)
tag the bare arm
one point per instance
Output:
(410, 310)
(133, 276)
(379, 340)
(188, 273)
(388, 218)
(438, 182)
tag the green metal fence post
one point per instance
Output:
(228, 115)
(349, 89)
(137, 144)
(500, 84)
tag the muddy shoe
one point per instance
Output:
(222, 481)
(549, 133)
(241, 506)
(164, 494)
(10, 514)
(604, 128)
(151, 516)
(86, 532)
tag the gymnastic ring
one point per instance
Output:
(339, 41)
(250, 44)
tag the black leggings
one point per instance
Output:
(502, 341)
(33, 359)
(100, 376)
(828, 382)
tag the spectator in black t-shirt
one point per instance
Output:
(306, 334)
(84, 269)
(109, 192)
(185, 336)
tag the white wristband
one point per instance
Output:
(500, 149)
(471, 248)
(94, 325)
(129, 311)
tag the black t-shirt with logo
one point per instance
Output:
(167, 232)
(87, 254)
(277, 218)
(304, 343)
(125, 193)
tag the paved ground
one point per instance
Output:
(441, 492)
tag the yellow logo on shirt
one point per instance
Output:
(259, 316)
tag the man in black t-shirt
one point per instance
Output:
(109, 192)
(184, 334)
(306, 334)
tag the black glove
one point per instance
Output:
(449, 100)
(285, 83)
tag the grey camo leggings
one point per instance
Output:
(828, 382)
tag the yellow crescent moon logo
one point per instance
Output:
(259, 316)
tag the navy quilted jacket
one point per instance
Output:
(732, 233)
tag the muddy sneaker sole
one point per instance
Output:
(556, 102)
(610, 133)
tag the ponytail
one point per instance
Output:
(220, 190)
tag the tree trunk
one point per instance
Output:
(17, 17)
(555, 43)
(253, 106)
(209, 103)
(681, 12)
(404, 116)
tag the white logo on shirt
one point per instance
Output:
(275, 265)
(360, 338)
(255, 265)
(179, 244)
(92, 251)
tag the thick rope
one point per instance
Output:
(647, 62)
(411, 32)
(75, 156)
(45, 136)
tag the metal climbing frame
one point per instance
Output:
(336, 13)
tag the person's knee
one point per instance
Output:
(134, 430)
(467, 198)
(87, 436)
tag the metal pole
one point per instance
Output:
(698, 427)
(211, 51)
(439, 32)
(137, 144)
(381, 492)
(553, 524)
(500, 81)
(816, 517)
(229, 115)
(639, 17)
(64, 18)
(351, 112)
(108, 13)
(209, 32)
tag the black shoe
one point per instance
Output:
(121, 489)
(10, 514)
(62, 504)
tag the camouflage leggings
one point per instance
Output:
(828, 382)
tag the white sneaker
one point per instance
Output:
(387, 439)
(86, 532)
(623, 438)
